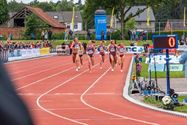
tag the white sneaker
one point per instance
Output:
(77, 69)
(112, 70)
(121, 70)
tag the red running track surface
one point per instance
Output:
(58, 95)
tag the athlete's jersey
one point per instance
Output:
(90, 50)
(112, 49)
(121, 50)
(101, 49)
(76, 47)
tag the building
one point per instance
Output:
(141, 19)
(65, 17)
(16, 24)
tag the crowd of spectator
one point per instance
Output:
(11, 45)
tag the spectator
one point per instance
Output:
(108, 35)
(183, 60)
(88, 35)
(50, 33)
(42, 35)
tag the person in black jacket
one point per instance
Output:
(12, 109)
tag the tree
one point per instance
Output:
(44, 5)
(14, 6)
(122, 7)
(64, 5)
(3, 11)
(34, 25)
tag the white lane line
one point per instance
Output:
(41, 71)
(107, 112)
(62, 109)
(35, 67)
(54, 114)
(45, 78)
(59, 116)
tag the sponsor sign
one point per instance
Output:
(134, 49)
(44, 51)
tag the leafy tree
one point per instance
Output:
(130, 24)
(3, 11)
(34, 25)
(122, 7)
(44, 5)
(64, 5)
(14, 6)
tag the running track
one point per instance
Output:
(58, 95)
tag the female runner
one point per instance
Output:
(81, 53)
(121, 55)
(90, 50)
(101, 50)
(75, 56)
(112, 49)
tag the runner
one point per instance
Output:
(121, 55)
(112, 49)
(101, 50)
(75, 56)
(81, 53)
(90, 50)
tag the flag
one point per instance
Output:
(184, 16)
(112, 19)
(73, 19)
(148, 16)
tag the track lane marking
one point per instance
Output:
(46, 93)
(107, 112)
(45, 78)
(41, 71)
(37, 66)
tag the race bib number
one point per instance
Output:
(77, 46)
(80, 52)
(90, 52)
(112, 50)
(121, 50)
(101, 49)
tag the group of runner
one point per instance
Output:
(116, 54)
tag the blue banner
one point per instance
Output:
(100, 26)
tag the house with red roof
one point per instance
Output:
(16, 24)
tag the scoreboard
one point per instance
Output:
(165, 41)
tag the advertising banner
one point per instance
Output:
(134, 49)
(44, 51)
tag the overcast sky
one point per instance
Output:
(28, 1)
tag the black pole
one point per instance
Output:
(167, 73)
(150, 68)
(155, 73)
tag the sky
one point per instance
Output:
(28, 1)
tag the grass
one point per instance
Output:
(145, 72)
(152, 101)
(181, 108)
